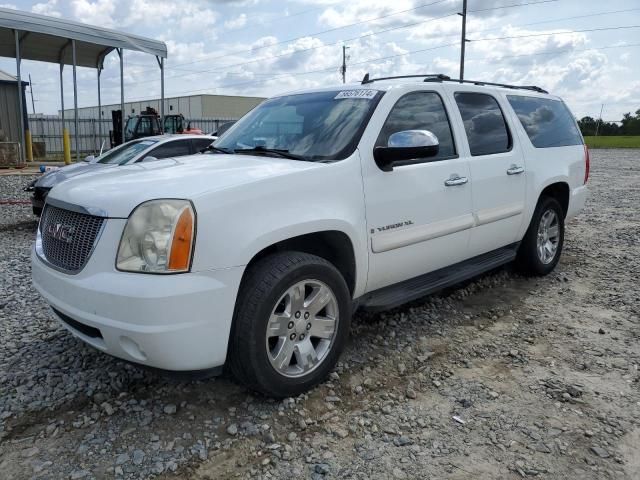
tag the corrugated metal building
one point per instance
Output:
(192, 107)
(9, 107)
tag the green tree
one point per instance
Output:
(630, 124)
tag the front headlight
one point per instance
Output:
(158, 238)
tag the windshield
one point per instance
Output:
(130, 126)
(124, 153)
(316, 126)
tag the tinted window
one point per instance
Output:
(171, 149)
(200, 144)
(420, 111)
(484, 123)
(548, 122)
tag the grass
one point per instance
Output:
(619, 141)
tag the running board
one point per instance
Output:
(414, 288)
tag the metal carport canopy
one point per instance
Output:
(43, 38)
(31, 36)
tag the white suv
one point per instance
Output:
(318, 202)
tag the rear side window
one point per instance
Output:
(199, 144)
(484, 123)
(420, 111)
(176, 148)
(548, 122)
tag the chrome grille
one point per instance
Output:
(68, 237)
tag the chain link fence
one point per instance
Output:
(93, 134)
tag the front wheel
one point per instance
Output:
(541, 246)
(291, 323)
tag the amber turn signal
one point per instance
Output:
(182, 241)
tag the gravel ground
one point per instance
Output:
(504, 377)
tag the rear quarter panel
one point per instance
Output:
(545, 166)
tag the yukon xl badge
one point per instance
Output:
(404, 223)
(61, 232)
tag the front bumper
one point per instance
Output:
(171, 322)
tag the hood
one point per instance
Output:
(52, 178)
(119, 190)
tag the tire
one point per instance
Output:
(266, 322)
(37, 211)
(536, 258)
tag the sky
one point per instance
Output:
(580, 50)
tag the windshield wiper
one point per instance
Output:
(211, 148)
(277, 151)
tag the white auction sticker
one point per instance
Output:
(361, 93)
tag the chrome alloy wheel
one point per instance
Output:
(548, 236)
(302, 328)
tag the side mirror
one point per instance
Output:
(149, 158)
(89, 158)
(406, 145)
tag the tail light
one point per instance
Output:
(586, 164)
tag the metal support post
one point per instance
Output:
(21, 106)
(121, 55)
(161, 65)
(99, 110)
(75, 100)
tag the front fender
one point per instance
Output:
(235, 224)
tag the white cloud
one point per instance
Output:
(237, 22)
(47, 8)
(207, 39)
(100, 12)
(189, 16)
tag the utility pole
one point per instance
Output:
(463, 40)
(599, 120)
(33, 103)
(343, 69)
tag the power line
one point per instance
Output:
(333, 68)
(251, 50)
(357, 38)
(510, 6)
(413, 24)
(553, 52)
(296, 52)
(490, 39)
(473, 40)
(327, 69)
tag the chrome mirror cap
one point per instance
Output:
(412, 139)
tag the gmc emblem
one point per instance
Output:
(61, 232)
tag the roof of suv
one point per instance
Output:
(389, 83)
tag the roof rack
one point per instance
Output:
(439, 77)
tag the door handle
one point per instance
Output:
(455, 180)
(515, 170)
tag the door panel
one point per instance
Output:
(416, 223)
(497, 167)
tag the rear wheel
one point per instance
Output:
(541, 246)
(291, 323)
